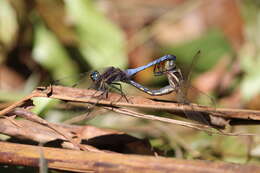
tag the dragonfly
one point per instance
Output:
(111, 76)
(165, 65)
(180, 85)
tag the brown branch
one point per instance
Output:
(18, 103)
(196, 126)
(34, 118)
(156, 118)
(88, 95)
(82, 161)
(89, 136)
(114, 99)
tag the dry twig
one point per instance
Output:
(80, 161)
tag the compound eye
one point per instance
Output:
(95, 75)
(170, 65)
(171, 57)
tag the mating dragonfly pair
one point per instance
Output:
(164, 65)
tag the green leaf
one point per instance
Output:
(250, 86)
(101, 42)
(11, 95)
(8, 26)
(42, 104)
(50, 53)
(212, 45)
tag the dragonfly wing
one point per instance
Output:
(191, 114)
(81, 80)
(182, 85)
(206, 100)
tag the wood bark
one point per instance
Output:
(83, 161)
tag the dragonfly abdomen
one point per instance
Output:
(153, 92)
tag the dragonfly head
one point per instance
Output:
(95, 75)
(170, 65)
(170, 57)
(164, 67)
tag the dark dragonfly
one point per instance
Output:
(165, 65)
(111, 76)
(180, 85)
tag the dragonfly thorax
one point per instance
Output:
(109, 76)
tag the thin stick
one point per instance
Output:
(86, 96)
(17, 104)
(32, 117)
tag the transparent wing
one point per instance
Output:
(185, 90)
(74, 111)
(79, 80)
(191, 95)
(204, 99)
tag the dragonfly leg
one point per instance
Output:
(120, 90)
(103, 87)
(103, 95)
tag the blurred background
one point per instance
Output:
(47, 40)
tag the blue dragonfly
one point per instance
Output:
(111, 76)
(165, 65)
(180, 85)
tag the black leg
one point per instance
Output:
(120, 90)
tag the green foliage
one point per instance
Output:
(251, 82)
(42, 105)
(249, 54)
(51, 54)
(212, 45)
(101, 43)
(8, 27)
